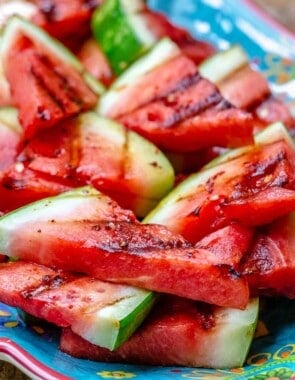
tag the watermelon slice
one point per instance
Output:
(146, 79)
(179, 332)
(103, 313)
(245, 87)
(74, 235)
(270, 263)
(253, 185)
(163, 97)
(239, 88)
(238, 82)
(57, 81)
(91, 149)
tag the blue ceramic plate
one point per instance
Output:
(34, 349)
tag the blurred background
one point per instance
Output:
(282, 10)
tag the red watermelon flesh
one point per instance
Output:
(157, 83)
(10, 141)
(67, 20)
(20, 186)
(270, 264)
(133, 254)
(245, 88)
(229, 243)
(193, 118)
(56, 91)
(95, 61)
(272, 110)
(173, 334)
(177, 332)
(162, 27)
(63, 298)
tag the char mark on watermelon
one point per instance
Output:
(269, 265)
(56, 90)
(20, 186)
(192, 116)
(76, 301)
(133, 254)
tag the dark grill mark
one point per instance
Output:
(209, 185)
(134, 239)
(39, 66)
(261, 174)
(229, 271)
(48, 282)
(183, 112)
(205, 316)
(13, 184)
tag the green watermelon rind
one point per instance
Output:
(119, 29)
(163, 51)
(9, 118)
(274, 132)
(116, 323)
(157, 174)
(270, 134)
(222, 64)
(233, 336)
(111, 325)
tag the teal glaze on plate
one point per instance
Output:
(34, 348)
(272, 355)
(224, 22)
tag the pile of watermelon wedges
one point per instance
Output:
(147, 184)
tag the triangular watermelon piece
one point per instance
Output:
(270, 264)
(72, 232)
(48, 84)
(101, 312)
(179, 332)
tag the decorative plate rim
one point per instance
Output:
(268, 19)
(15, 354)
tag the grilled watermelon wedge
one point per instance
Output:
(103, 313)
(103, 153)
(179, 332)
(84, 231)
(252, 185)
(59, 85)
(270, 263)
(164, 98)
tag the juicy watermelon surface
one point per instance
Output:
(237, 225)
(129, 254)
